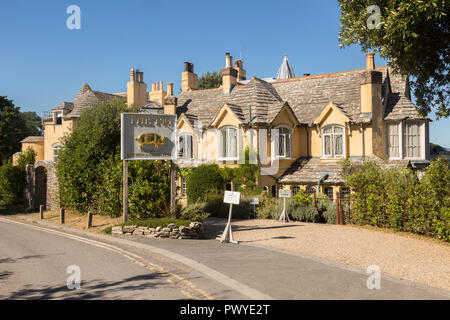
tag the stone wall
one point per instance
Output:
(42, 186)
(194, 231)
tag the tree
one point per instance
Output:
(33, 123)
(12, 128)
(210, 80)
(414, 35)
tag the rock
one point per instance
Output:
(174, 233)
(129, 229)
(171, 226)
(173, 237)
(117, 230)
(175, 230)
(152, 230)
(164, 234)
(138, 232)
(196, 226)
(166, 230)
(158, 229)
(182, 228)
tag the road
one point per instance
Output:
(34, 261)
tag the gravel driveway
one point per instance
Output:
(399, 255)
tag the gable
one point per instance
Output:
(227, 116)
(331, 114)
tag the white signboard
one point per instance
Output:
(146, 136)
(254, 201)
(232, 197)
(284, 193)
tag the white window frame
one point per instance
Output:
(225, 157)
(287, 150)
(56, 147)
(185, 155)
(400, 140)
(331, 135)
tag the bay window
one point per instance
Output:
(333, 141)
(405, 140)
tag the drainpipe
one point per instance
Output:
(363, 144)
(320, 180)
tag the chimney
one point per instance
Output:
(170, 101)
(229, 75)
(157, 93)
(188, 78)
(241, 73)
(370, 61)
(136, 89)
(371, 105)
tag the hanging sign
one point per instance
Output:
(146, 136)
(284, 193)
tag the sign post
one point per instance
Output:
(254, 202)
(231, 198)
(146, 136)
(284, 217)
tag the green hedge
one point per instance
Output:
(399, 200)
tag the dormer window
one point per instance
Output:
(228, 143)
(57, 117)
(185, 147)
(284, 140)
(333, 141)
(405, 140)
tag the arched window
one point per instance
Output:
(295, 190)
(55, 149)
(185, 146)
(228, 143)
(284, 143)
(333, 141)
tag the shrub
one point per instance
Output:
(303, 197)
(13, 178)
(202, 181)
(217, 208)
(195, 212)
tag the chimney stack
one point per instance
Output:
(370, 61)
(241, 73)
(229, 75)
(170, 101)
(136, 89)
(158, 93)
(189, 79)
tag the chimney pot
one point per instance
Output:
(228, 60)
(170, 89)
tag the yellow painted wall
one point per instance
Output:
(38, 147)
(53, 134)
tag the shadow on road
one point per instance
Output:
(96, 289)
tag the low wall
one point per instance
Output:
(194, 231)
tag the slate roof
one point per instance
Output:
(86, 97)
(307, 96)
(32, 139)
(309, 170)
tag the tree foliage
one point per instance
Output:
(210, 80)
(12, 128)
(415, 34)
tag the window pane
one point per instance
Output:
(310, 190)
(224, 142)
(329, 192)
(181, 146)
(338, 130)
(327, 142)
(338, 146)
(281, 145)
(189, 149)
(288, 145)
(328, 130)
(233, 145)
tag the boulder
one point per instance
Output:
(171, 226)
(129, 229)
(117, 230)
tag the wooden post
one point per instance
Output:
(61, 216)
(337, 208)
(125, 191)
(89, 220)
(173, 190)
(41, 212)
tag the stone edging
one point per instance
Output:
(194, 231)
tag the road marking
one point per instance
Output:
(129, 255)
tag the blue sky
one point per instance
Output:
(42, 63)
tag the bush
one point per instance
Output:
(202, 181)
(13, 178)
(217, 208)
(195, 212)
(397, 199)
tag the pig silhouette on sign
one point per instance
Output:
(150, 139)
